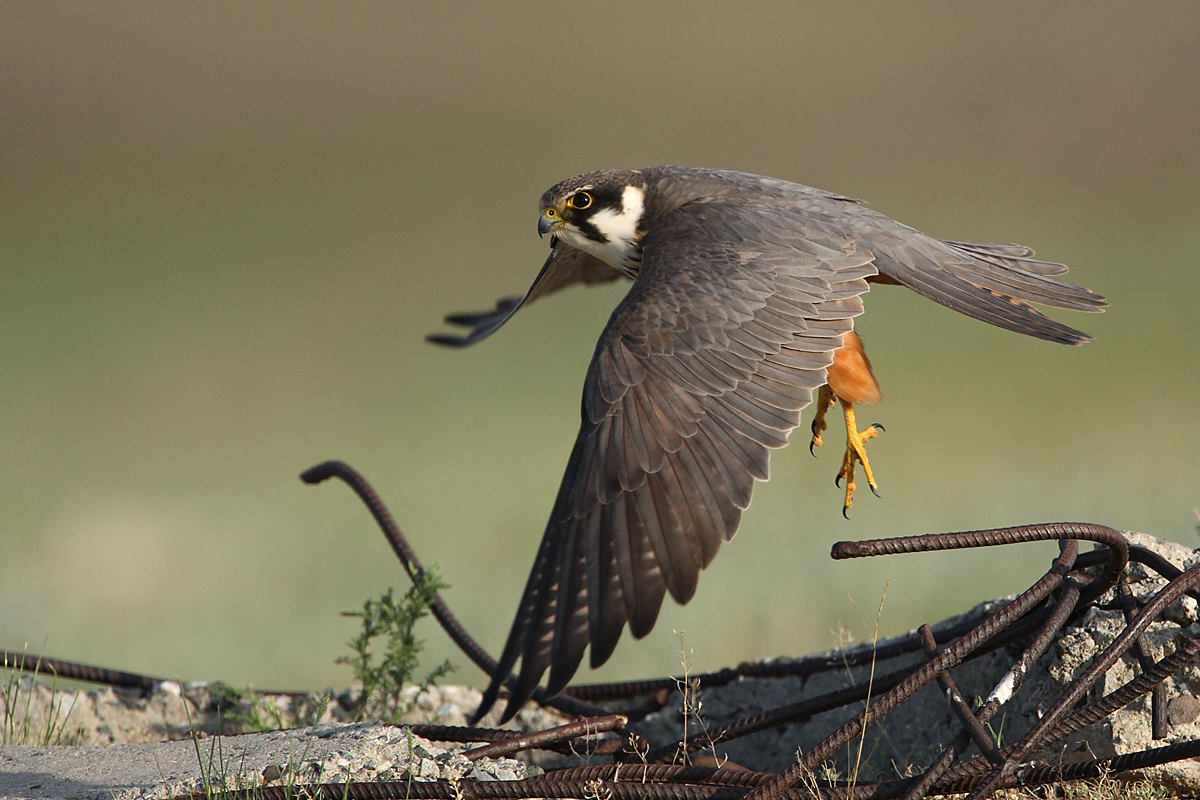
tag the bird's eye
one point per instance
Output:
(581, 200)
(550, 212)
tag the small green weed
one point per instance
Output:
(19, 726)
(251, 712)
(393, 620)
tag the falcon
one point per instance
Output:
(745, 289)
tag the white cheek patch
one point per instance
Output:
(621, 228)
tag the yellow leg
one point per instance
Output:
(855, 451)
(825, 398)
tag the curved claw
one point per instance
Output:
(812, 448)
(874, 491)
(837, 480)
(844, 510)
(880, 427)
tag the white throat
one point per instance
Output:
(619, 228)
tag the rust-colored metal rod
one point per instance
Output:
(465, 733)
(400, 546)
(951, 656)
(804, 709)
(1084, 531)
(1007, 687)
(659, 773)
(1158, 697)
(1090, 714)
(811, 665)
(32, 662)
(1035, 736)
(1185, 650)
(971, 724)
(633, 789)
(439, 609)
(863, 654)
(550, 736)
(88, 673)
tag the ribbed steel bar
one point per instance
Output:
(1158, 698)
(659, 773)
(972, 725)
(1090, 714)
(803, 667)
(700, 787)
(31, 662)
(1007, 687)
(550, 736)
(1046, 531)
(1075, 690)
(951, 656)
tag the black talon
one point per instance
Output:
(812, 448)
(874, 491)
(844, 510)
(837, 480)
(877, 425)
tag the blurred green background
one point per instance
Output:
(225, 230)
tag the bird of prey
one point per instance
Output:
(745, 289)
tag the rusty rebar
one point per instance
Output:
(632, 781)
(800, 667)
(808, 707)
(952, 655)
(699, 786)
(1158, 698)
(659, 773)
(1047, 531)
(550, 736)
(958, 704)
(1075, 690)
(1007, 687)
(32, 662)
(1091, 713)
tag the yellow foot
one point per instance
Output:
(825, 400)
(855, 452)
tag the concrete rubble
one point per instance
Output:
(919, 728)
(329, 748)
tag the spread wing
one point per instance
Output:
(991, 282)
(564, 267)
(703, 367)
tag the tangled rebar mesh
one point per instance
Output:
(1026, 626)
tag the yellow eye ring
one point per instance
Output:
(550, 212)
(581, 200)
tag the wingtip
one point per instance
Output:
(445, 339)
(1076, 338)
(510, 711)
(485, 705)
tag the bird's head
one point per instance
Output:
(601, 213)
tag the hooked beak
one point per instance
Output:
(548, 224)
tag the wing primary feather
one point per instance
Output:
(571, 614)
